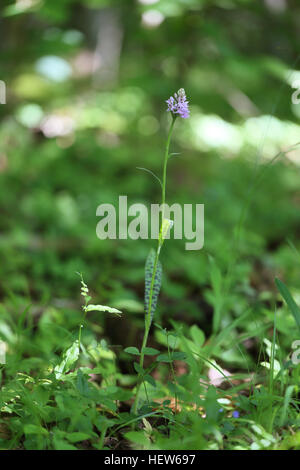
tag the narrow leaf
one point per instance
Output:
(289, 300)
(132, 350)
(151, 295)
(102, 308)
(173, 154)
(148, 378)
(151, 173)
(150, 351)
(82, 384)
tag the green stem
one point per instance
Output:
(81, 326)
(173, 374)
(148, 315)
(166, 159)
(79, 333)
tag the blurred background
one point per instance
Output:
(86, 84)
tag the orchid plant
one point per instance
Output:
(178, 106)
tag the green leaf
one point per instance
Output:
(197, 335)
(77, 437)
(151, 173)
(148, 378)
(166, 226)
(102, 308)
(174, 356)
(34, 429)
(60, 444)
(69, 358)
(164, 358)
(132, 350)
(82, 384)
(150, 351)
(178, 356)
(154, 292)
(137, 438)
(289, 300)
(287, 400)
(138, 368)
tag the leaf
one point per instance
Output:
(197, 335)
(102, 308)
(166, 226)
(164, 358)
(150, 351)
(148, 281)
(287, 400)
(174, 356)
(137, 437)
(178, 356)
(69, 358)
(138, 368)
(77, 437)
(60, 444)
(289, 300)
(132, 350)
(276, 366)
(148, 378)
(151, 173)
(34, 429)
(82, 384)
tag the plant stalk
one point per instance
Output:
(148, 315)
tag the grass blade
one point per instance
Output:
(289, 300)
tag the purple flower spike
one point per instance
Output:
(178, 104)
